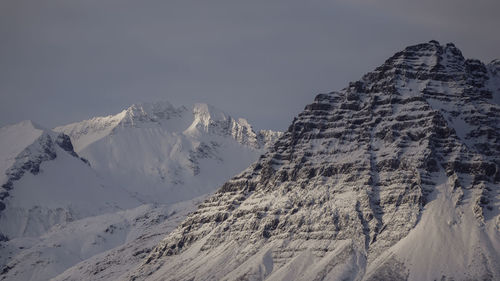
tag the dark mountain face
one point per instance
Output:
(408, 155)
(30, 159)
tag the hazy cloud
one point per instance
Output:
(63, 61)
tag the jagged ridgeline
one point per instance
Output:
(395, 177)
(42, 149)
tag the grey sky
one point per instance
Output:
(63, 61)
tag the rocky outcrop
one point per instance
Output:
(215, 122)
(30, 159)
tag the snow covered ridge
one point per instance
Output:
(24, 147)
(396, 177)
(44, 182)
(168, 154)
(202, 118)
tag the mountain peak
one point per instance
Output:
(205, 113)
(368, 183)
(200, 120)
(434, 42)
(150, 112)
(426, 61)
(26, 125)
(25, 146)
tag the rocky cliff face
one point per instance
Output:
(395, 177)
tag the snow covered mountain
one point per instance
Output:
(44, 182)
(395, 177)
(117, 183)
(166, 154)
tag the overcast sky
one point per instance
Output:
(63, 61)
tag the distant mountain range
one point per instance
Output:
(166, 154)
(86, 187)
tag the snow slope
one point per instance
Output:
(448, 241)
(148, 228)
(46, 183)
(133, 233)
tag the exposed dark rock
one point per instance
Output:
(30, 159)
